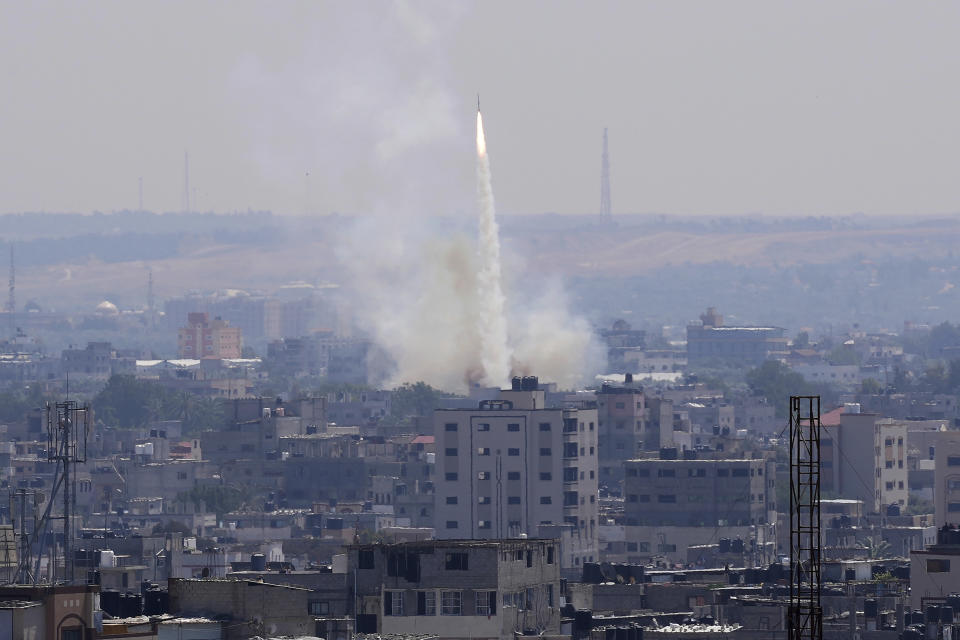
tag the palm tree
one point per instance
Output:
(877, 548)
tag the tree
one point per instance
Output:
(128, 402)
(802, 341)
(871, 387)
(877, 548)
(776, 382)
(418, 399)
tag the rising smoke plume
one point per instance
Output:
(492, 321)
(436, 303)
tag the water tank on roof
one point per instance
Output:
(851, 407)
(107, 558)
(258, 562)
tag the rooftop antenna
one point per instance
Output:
(186, 182)
(606, 214)
(12, 299)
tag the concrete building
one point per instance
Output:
(253, 608)
(99, 360)
(206, 338)
(621, 427)
(672, 504)
(890, 464)
(946, 478)
(511, 465)
(935, 571)
(458, 588)
(848, 467)
(711, 342)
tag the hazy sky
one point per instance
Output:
(713, 107)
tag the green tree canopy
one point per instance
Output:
(128, 402)
(776, 382)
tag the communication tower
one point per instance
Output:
(805, 616)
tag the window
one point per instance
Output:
(938, 565)
(483, 451)
(513, 500)
(450, 426)
(513, 452)
(549, 555)
(570, 474)
(953, 506)
(620, 405)
(483, 500)
(740, 473)
(455, 562)
(569, 449)
(632, 497)
(483, 524)
(889, 486)
(450, 603)
(546, 476)
(546, 451)
(513, 427)
(546, 500)
(452, 524)
(486, 603)
(513, 475)
(393, 603)
(450, 451)
(450, 476)
(544, 426)
(483, 427)
(426, 603)
(666, 498)
(953, 461)
(570, 498)
(483, 475)
(666, 473)
(697, 473)
(451, 499)
(365, 559)
(318, 608)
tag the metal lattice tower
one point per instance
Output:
(606, 213)
(68, 425)
(805, 616)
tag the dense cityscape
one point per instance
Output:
(298, 344)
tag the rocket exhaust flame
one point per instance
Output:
(492, 321)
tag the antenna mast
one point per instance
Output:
(606, 213)
(186, 182)
(12, 300)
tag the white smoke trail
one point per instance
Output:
(492, 321)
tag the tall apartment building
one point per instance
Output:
(890, 464)
(206, 338)
(621, 424)
(512, 465)
(672, 504)
(876, 475)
